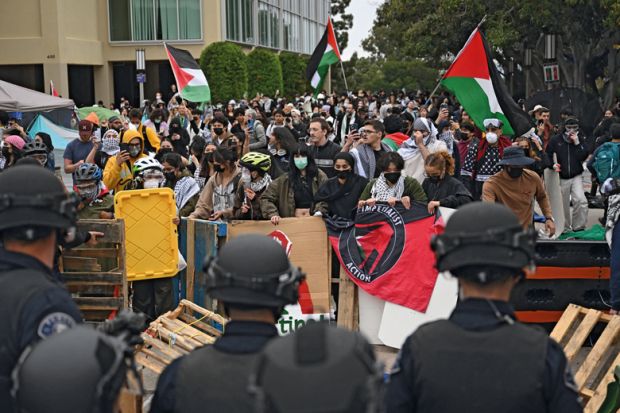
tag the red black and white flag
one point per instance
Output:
(387, 253)
(191, 80)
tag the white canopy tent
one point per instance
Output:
(15, 98)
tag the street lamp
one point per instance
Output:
(550, 41)
(527, 63)
(141, 72)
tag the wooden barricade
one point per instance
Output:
(348, 303)
(96, 276)
(176, 333)
(596, 371)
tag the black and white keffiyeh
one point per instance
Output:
(261, 184)
(382, 191)
(184, 190)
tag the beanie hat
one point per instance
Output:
(16, 141)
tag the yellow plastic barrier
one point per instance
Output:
(150, 235)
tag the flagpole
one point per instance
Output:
(484, 19)
(344, 77)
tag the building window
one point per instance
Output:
(240, 21)
(268, 24)
(152, 20)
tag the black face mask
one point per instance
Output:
(218, 168)
(514, 172)
(164, 151)
(344, 174)
(218, 131)
(463, 136)
(392, 177)
(170, 176)
(209, 157)
(434, 179)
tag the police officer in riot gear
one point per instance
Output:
(80, 371)
(318, 368)
(481, 359)
(254, 279)
(35, 212)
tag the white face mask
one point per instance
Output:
(491, 137)
(151, 183)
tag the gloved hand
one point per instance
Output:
(127, 324)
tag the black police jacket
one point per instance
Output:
(33, 305)
(556, 392)
(223, 382)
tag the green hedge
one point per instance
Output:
(226, 68)
(264, 73)
(294, 73)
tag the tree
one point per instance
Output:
(264, 73)
(294, 73)
(342, 22)
(225, 67)
(435, 32)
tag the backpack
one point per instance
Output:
(607, 162)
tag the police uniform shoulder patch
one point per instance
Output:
(54, 323)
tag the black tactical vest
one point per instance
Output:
(212, 380)
(456, 370)
(16, 288)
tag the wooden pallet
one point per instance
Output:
(596, 371)
(96, 276)
(176, 333)
(348, 303)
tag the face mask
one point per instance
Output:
(434, 179)
(464, 136)
(344, 174)
(209, 157)
(514, 172)
(246, 177)
(164, 151)
(218, 131)
(89, 193)
(170, 176)
(151, 183)
(134, 151)
(491, 137)
(158, 120)
(301, 162)
(218, 168)
(392, 177)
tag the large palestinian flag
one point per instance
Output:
(191, 81)
(387, 253)
(474, 79)
(325, 54)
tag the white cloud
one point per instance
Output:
(364, 12)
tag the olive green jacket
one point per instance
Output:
(279, 198)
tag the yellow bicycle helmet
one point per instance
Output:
(256, 161)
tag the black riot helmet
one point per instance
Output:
(253, 270)
(80, 370)
(319, 368)
(32, 197)
(484, 239)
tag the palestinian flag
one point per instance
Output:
(387, 252)
(325, 54)
(191, 81)
(474, 79)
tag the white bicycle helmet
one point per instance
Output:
(145, 164)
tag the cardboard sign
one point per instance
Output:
(311, 252)
(293, 319)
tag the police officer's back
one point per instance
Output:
(254, 279)
(481, 359)
(35, 212)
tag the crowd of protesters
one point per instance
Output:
(273, 158)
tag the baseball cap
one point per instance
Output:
(85, 128)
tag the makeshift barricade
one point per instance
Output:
(596, 371)
(567, 272)
(176, 333)
(96, 276)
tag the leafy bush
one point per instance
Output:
(264, 73)
(226, 69)
(294, 73)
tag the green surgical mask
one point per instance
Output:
(301, 162)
